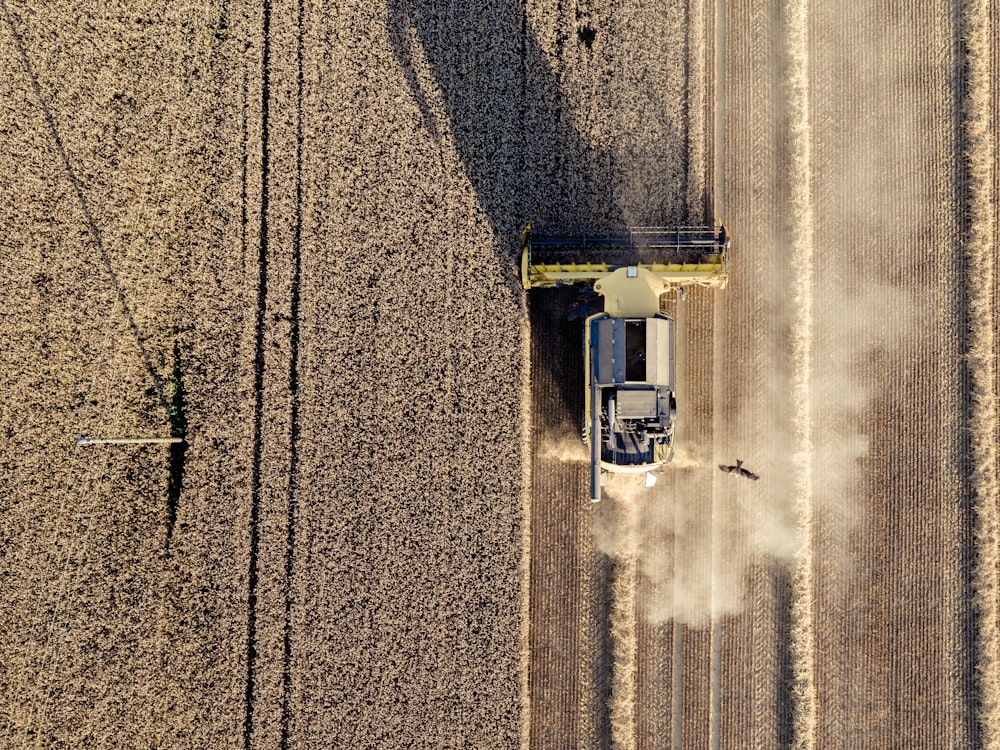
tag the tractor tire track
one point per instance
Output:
(253, 572)
(275, 487)
(293, 387)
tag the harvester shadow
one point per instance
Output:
(484, 82)
(505, 114)
(513, 127)
(177, 412)
(507, 118)
(556, 361)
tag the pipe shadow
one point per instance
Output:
(177, 412)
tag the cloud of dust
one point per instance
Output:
(852, 318)
(566, 447)
(698, 532)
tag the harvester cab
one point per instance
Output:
(630, 403)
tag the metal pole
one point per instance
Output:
(127, 441)
(595, 420)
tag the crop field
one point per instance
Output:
(288, 232)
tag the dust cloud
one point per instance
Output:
(696, 535)
(565, 447)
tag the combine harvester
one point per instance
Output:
(630, 404)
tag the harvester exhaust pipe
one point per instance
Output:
(595, 431)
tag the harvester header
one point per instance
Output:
(678, 256)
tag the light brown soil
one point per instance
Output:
(382, 537)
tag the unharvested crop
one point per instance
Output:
(979, 130)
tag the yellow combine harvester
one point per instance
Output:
(630, 404)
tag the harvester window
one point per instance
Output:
(635, 351)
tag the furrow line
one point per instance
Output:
(624, 641)
(800, 241)
(258, 439)
(293, 387)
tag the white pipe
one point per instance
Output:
(127, 441)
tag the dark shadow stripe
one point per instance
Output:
(781, 584)
(177, 412)
(253, 573)
(293, 386)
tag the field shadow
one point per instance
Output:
(556, 348)
(506, 113)
(177, 413)
(512, 127)
(973, 691)
(511, 124)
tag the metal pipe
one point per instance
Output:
(127, 441)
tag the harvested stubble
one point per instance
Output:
(605, 143)
(888, 514)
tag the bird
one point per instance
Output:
(738, 469)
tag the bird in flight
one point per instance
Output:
(739, 469)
